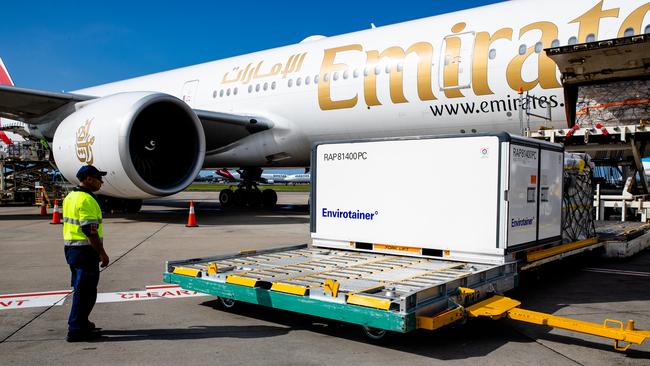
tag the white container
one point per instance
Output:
(477, 198)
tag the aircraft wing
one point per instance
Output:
(35, 106)
(30, 106)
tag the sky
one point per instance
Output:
(68, 45)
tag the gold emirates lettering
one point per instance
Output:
(589, 23)
(84, 144)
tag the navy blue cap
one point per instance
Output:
(89, 171)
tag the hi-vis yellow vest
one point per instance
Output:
(79, 209)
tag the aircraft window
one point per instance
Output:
(257, 87)
(365, 71)
(647, 29)
(221, 93)
(388, 69)
(522, 49)
(228, 92)
(345, 74)
(538, 47)
(316, 79)
(555, 43)
(214, 94)
(355, 74)
(335, 76)
(473, 130)
(591, 37)
(573, 40)
(492, 54)
(298, 81)
(377, 70)
(307, 80)
(234, 92)
(400, 67)
(273, 85)
(629, 32)
(462, 131)
(326, 77)
(290, 83)
(250, 88)
(266, 86)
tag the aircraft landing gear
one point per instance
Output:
(248, 194)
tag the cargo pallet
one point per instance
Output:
(380, 292)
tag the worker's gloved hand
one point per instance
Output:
(103, 257)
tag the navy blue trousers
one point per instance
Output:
(84, 269)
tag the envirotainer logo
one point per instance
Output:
(349, 214)
(516, 222)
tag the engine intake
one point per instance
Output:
(151, 144)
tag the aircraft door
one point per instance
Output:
(455, 70)
(189, 92)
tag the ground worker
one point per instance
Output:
(84, 251)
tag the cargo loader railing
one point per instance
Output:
(498, 307)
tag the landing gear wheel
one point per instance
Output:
(269, 198)
(374, 334)
(227, 303)
(226, 198)
(254, 198)
(239, 197)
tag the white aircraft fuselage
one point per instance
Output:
(452, 73)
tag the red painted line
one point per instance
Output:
(32, 294)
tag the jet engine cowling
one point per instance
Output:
(151, 144)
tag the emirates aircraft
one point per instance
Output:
(453, 73)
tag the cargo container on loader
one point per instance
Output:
(413, 261)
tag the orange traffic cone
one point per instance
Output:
(191, 220)
(56, 216)
(43, 205)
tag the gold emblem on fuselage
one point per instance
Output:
(84, 143)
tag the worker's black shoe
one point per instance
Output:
(83, 336)
(92, 328)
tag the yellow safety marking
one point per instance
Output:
(248, 251)
(494, 307)
(396, 247)
(466, 291)
(367, 301)
(187, 271)
(545, 253)
(212, 268)
(332, 287)
(439, 320)
(242, 281)
(289, 289)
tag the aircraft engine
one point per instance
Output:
(151, 144)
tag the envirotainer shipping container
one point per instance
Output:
(478, 198)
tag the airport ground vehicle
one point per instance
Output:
(402, 266)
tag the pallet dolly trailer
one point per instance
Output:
(380, 292)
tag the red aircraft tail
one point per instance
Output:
(5, 79)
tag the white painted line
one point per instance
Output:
(32, 299)
(50, 298)
(617, 271)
